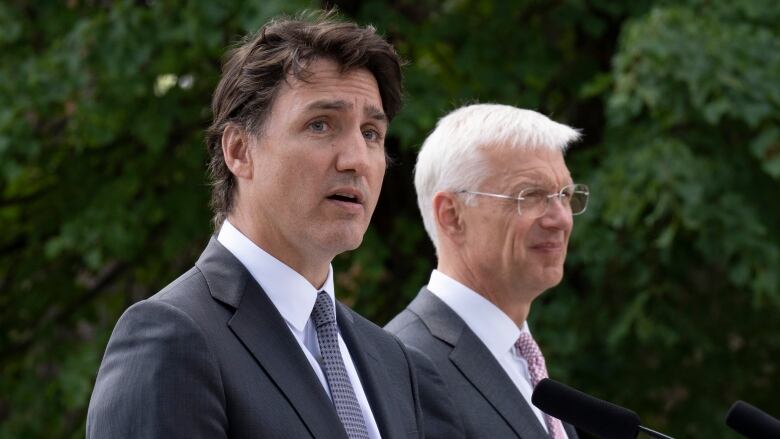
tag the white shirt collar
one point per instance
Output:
(289, 291)
(491, 325)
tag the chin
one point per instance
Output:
(352, 245)
(345, 241)
(553, 276)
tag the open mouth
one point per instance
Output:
(347, 198)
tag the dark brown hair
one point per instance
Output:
(254, 71)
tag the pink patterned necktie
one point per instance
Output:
(529, 350)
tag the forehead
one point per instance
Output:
(509, 167)
(324, 80)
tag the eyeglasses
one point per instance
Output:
(534, 201)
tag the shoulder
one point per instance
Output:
(422, 319)
(163, 324)
(405, 321)
(190, 295)
(165, 330)
(182, 289)
(410, 328)
(158, 360)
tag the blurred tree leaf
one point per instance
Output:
(670, 301)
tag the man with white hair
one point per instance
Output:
(497, 201)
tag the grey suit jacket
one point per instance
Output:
(485, 398)
(210, 357)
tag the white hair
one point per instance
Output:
(451, 158)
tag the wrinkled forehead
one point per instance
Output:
(325, 80)
(323, 72)
(511, 166)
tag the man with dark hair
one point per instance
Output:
(248, 343)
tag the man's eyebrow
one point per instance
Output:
(530, 179)
(375, 113)
(337, 104)
(327, 104)
(538, 181)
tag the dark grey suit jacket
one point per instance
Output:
(210, 357)
(485, 398)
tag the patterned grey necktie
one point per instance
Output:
(528, 349)
(341, 391)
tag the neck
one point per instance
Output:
(312, 267)
(511, 301)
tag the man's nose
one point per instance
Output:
(558, 214)
(353, 153)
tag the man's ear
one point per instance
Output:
(236, 150)
(448, 212)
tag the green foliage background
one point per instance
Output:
(671, 298)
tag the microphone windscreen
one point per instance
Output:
(599, 418)
(751, 422)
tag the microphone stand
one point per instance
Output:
(654, 433)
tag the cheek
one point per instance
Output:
(378, 171)
(521, 236)
(480, 236)
(374, 179)
(379, 168)
(308, 169)
(503, 242)
(516, 247)
(520, 231)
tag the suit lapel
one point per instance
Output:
(571, 432)
(372, 374)
(479, 366)
(472, 358)
(263, 331)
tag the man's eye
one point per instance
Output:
(534, 194)
(318, 126)
(371, 135)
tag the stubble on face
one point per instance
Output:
(318, 167)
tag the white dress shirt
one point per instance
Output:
(493, 327)
(294, 297)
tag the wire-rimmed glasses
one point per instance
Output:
(534, 201)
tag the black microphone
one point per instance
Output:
(595, 416)
(751, 422)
